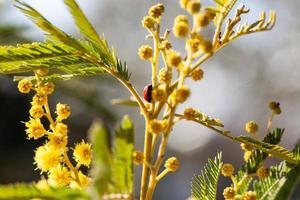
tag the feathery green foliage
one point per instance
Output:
(122, 157)
(30, 191)
(204, 186)
(244, 181)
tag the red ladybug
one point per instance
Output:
(148, 93)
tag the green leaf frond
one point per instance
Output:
(122, 157)
(23, 191)
(204, 186)
(244, 182)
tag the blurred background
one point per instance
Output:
(238, 84)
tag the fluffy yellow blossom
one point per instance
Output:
(247, 155)
(173, 59)
(181, 29)
(275, 107)
(193, 7)
(165, 45)
(83, 153)
(63, 111)
(159, 94)
(156, 10)
(156, 126)
(59, 176)
(145, 52)
(197, 74)
(190, 113)
(58, 141)
(263, 172)
(227, 169)
(172, 164)
(61, 128)
(250, 195)
(181, 18)
(184, 3)
(138, 157)
(42, 72)
(35, 129)
(47, 158)
(25, 86)
(165, 76)
(206, 46)
(148, 22)
(229, 193)
(47, 88)
(84, 181)
(251, 127)
(246, 147)
(36, 111)
(204, 18)
(39, 99)
(182, 94)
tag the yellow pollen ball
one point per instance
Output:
(206, 47)
(193, 7)
(47, 158)
(197, 74)
(24, 86)
(61, 128)
(204, 18)
(148, 22)
(181, 29)
(182, 94)
(156, 126)
(159, 94)
(35, 129)
(83, 153)
(246, 147)
(250, 195)
(58, 141)
(172, 164)
(165, 76)
(251, 127)
(59, 176)
(42, 72)
(181, 18)
(47, 88)
(39, 99)
(184, 3)
(229, 193)
(263, 172)
(173, 59)
(63, 111)
(247, 155)
(156, 10)
(138, 157)
(190, 113)
(145, 52)
(36, 111)
(227, 169)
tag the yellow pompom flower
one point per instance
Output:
(204, 18)
(156, 126)
(83, 153)
(156, 10)
(227, 169)
(42, 72)
(250, 195)
(165, 45)
(247, 155)
(184, 3)
(63, 111)
(39, 99)
(47, 158)
(84, 181)
(190, 113)
(197, 74)
(165, 76)
(181, 29)
(275, 107)
(206, 46)
(159, 94)
(61, 128)
(263, 172)
(35, 129)
(173, 58)
(36, 111)
(24, 86)
(182, 94)
(145, 52)
(229, 193)
(58, 141)
(47, 88)
(251, 127)
(246, 147)
(148, 22)
(193, 7)
(172, 164)
(138, 157)
(181, 18)
(59, 176)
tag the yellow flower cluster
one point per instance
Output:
(190, 113)
(227, 170)
(250, 195)
(251, 127)
(275, 107)
(172, 164)
(157, 126)
(138, 157)
(229, 193)
(52, 157)
(263, 172)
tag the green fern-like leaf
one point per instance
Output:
(122, 157)
(204, 186)
(244, 182)
(23, 191)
